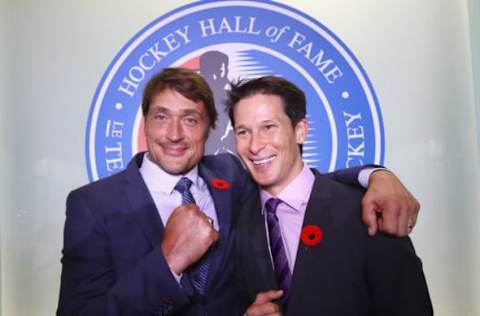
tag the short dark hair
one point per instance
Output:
(186, 82)
(294, 101)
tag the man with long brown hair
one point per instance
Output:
(157, 238)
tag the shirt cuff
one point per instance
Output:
(364, 175)
(177, 277)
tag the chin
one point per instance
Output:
(261, 181)
(174, 168)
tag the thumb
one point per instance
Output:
(267, 296)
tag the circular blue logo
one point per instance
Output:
(227, 40)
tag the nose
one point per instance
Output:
(256, 144)
(175, 131)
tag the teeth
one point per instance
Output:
(258, 162)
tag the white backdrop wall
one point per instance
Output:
(3, 146)
(474, 13)
(474, 10)
(418, 55)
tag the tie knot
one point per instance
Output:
(271, 205)
(183, 185)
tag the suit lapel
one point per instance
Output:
(311, 259)
(143, 209)
(259, 274)
(142, 206)
(222, 199)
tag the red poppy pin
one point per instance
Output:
(220, 184)
(311, 235)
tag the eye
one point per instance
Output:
(190, 121)
(241, 133)
(160, 117)
(269, 127)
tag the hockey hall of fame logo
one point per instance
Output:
(227, 40)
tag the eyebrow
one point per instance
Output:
(191, 111)
(239, 126)
(163, 109)
(262, 122)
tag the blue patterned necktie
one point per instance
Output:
(199, 271)
(279, 255)
(183, 186)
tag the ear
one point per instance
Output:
(301, 130)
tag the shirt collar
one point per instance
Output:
(151, 174)
(296, 193)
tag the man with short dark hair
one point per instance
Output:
(301, 246)
(157, 238)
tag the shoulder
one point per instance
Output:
(228, 167)
(225, 166)
(339, 206)
(223, 160)
(102, 184)
(391, 248)
(109, 188)
(336, 188)
(101, 192)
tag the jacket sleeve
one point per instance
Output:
(395, 278)
(350, 175)
(92, 285)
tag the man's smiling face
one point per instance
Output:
(267, 142)
(176, 130)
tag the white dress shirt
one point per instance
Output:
(161, 186)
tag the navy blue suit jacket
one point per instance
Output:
(348, 273)
(112, 261)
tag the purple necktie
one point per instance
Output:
(280, 261)
(199, 271)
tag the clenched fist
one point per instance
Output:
(188, 236)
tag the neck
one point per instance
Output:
(275, 190)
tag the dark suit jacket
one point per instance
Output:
(112, 262)
(347, 273)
